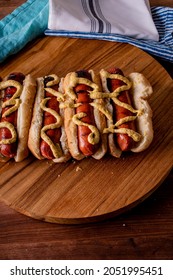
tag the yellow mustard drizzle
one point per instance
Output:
(103, 110)
(13, 133)
(55, 148)
(14, 102)
(59, 95)
(111, 129)
(74, 81)
(113, 95)
(96, 94)
(94, 136)
(131, 133)
(53, 82)
(69, 104)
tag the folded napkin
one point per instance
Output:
(24, 24)
(30, 20)
(131, 18)
(132, 21)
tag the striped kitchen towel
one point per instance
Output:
(123, 17)
(30, 20)
(151, 30)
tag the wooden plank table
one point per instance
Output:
(145, 232)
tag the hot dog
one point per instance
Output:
(81, 115)
(47, 137)
(124, 141)
(130, 128)
(83, 97)
(84, 123)
(17, 97)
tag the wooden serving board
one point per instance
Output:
(89, 190)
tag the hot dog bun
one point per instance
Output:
(35, 137)
(140, 90)
(24, 117)
(32, 103)
(36, 122)
(24, 114)
(113, 147)
(71, 127)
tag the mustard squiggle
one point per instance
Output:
(13, 133)
(133, 134)
(14, 103)
(55, 148)
(114, 96)
(96, 94)
(74, 80)
(94, 136)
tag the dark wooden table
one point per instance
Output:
(146, 232)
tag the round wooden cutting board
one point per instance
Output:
(89, 190)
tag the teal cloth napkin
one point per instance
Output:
(27, 22)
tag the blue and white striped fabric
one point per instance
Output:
(123, 17)
(163, 19)
(30, 20)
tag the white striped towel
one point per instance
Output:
(156, 37)
(124, 17)
(22, 26)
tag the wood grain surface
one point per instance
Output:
(145, 232)
(89, 190)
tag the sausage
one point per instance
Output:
(48, 118)
(83, 97)
(10, 150)
(124, 141)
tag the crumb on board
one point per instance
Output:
(49, 162)
(78, 168)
